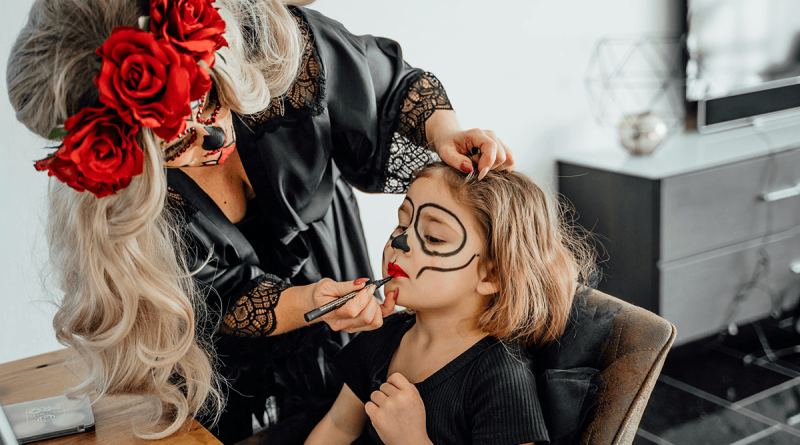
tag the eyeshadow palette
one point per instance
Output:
(47, 418)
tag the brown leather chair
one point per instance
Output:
(632, 359)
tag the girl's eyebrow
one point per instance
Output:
(434, 219)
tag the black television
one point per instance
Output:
(743, 62)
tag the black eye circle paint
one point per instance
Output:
(422, 242)
(442, 269)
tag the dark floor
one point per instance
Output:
(742, 389)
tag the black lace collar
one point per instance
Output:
(306, 96)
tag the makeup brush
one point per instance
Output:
(339, 302)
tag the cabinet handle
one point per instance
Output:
(781, 194)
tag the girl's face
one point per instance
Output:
(209, 137)
(434, 253)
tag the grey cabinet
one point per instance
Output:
(683, 237)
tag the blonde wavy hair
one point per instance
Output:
(130, 309)
(535, 253)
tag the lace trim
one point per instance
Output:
(306, 96)
(175, 201)
(254, 314)
(409, 146)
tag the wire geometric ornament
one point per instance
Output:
(630, 76)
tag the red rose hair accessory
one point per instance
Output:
(146, 79)
(192, 26)
(99, 153)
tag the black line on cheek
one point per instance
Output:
(441, 269)
(422, 241)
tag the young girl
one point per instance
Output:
(487, 270)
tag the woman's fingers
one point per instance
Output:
(375, 323)
(510, 164)
(455, 150)
(355, 307)
(361, 313)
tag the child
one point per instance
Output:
(486, 270)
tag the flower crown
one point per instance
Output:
(148, 77)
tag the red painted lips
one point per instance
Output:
(396, 271)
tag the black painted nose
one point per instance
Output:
(215, 138)
(401, 242)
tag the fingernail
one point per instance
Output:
(466, 167)
(360, 281)
(483, 172)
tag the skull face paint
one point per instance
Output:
(215, 139)
(209, 137)
(401, 242)
(436, 243)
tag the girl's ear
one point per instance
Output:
(488, 284)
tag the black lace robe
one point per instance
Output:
(354, 117)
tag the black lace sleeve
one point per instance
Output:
(240, 293)
(253, 314)
(409, 147)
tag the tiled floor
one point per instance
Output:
(729, 390)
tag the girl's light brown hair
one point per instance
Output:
(532, 252)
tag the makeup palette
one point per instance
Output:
(47, 418)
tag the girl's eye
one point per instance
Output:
(399, 230)
(433, 240)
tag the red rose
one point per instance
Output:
(148, 81)
(99, 154)
(193, 26)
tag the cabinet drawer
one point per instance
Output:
(705, 210)
(696, 293)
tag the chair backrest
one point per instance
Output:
(632, 359)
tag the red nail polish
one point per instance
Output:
(360, 281)
(466, 167)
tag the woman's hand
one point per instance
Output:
(361, 313)
(454, 145)
(397, 412)
(454, 149)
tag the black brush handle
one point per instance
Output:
(339, 302)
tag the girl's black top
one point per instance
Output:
(487, 395)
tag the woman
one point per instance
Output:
(288, 110)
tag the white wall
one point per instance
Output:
(515, 67)
(25, 318)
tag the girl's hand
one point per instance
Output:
(397, 412)
(454, 149)
(360, 313)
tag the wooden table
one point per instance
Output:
(45, 376)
